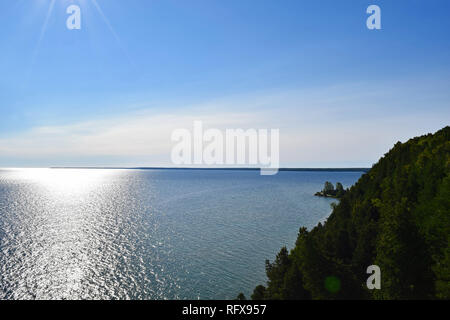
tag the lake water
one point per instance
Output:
(149, 234)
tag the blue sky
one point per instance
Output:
(110, 93)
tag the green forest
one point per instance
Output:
(396, 217)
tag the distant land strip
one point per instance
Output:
(241, 169)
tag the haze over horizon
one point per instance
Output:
(111, 93)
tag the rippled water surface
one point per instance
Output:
(149, 234)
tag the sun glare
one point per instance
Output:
(63, 181)
(84, 6)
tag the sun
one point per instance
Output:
(84, 5)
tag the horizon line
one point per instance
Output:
(357, 169)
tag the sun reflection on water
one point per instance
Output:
(63, 181)
(61, 232)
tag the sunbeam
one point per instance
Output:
(44, 26)
(41, 36)
(111, 29)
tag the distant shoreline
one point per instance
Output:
(223, 169)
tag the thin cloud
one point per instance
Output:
(327, 125)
